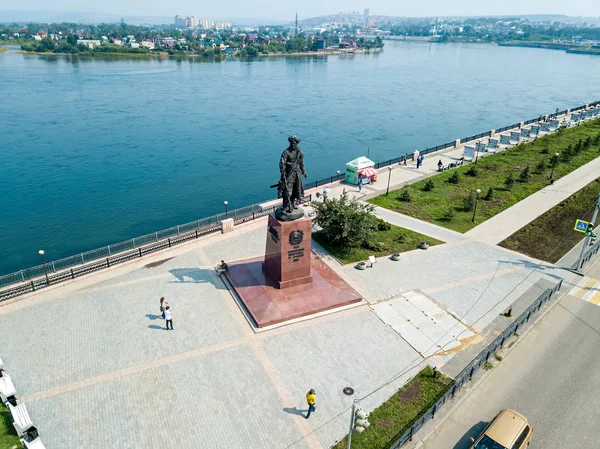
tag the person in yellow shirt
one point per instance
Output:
(311, 398)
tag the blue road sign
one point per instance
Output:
(581, 226)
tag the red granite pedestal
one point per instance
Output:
(289, 281)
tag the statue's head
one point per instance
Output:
(294, 141)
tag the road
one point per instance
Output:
(552, 376)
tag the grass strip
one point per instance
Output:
(546, 231)
(8, 435)
(445, 202)
(393, 415)
(394, 240)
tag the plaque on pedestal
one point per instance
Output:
(287, 255)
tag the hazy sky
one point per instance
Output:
(278, 9)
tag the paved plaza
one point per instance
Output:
(95, 365)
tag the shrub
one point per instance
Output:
(541, 166)
(509, 182)
(469, 201)
(344, 221)
(472, 171)
(597, 139)
(587, 142)
(372, 245)
(449, 214)
(489, 195)
(525, 174)
(400, 238)
(382, 225)
(455, 178)
(405, 196)
(429, 185)
(567, 154)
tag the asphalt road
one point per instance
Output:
(552, 376)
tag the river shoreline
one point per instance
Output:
(164, 55)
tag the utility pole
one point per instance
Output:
(349, 444)
(296, 24)
(587, 237)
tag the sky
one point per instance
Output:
(283, 10)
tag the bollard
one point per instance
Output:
(196, 233)
(32, 286)
(140, 250)
(471, 374)
(508, 314)
(72, 274)
(107, 263)
(435, 372)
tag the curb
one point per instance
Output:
(474, 386)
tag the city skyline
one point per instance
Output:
(311, 8)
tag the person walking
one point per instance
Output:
(311, 399)
(360, 183)
(163, 306)
(418, 162)
(169, 317)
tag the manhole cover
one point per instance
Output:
(348, 391)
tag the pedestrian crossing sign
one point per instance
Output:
(581, 226)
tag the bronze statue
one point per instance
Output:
(290, 187)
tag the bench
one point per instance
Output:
(7, 388)
(35, 444)
(21, 419)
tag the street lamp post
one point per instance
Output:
(41, 253)
(477, 192)
(338, 173)
(476, 151)
(554, 161)
(389, 177)
(226, 210)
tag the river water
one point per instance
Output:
(98, 151)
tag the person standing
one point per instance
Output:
(418, 162)
(169, 317)
(163, 306)
(311, 399)
(360, 183)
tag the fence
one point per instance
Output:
(587, 256)
(239, 215)
(72, 267)
(429, 411)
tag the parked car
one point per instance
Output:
(508, 430)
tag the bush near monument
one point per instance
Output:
(445, 205)
(539, 239)
(350, 232)
(398, 411)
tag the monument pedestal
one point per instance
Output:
(287, 255)
(289, 281)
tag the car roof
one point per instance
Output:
(507, 427)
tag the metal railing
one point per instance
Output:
(72, 267)
(448, 393)
(242, 214)
(587, 256)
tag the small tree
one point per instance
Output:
(472, 171)
(469, 201)
(541, 166)
(454, 178)
(448, 214)
(587, 142)
(509, 182)
(345, 222)
(405, 196)
(525, 174)
(429, 185)
(567, 153)
(489, 195)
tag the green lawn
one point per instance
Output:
(8, 436)
(540, 238)
(396, 240)
(390, 417)
(444, 204)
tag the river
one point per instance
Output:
(96, 151)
